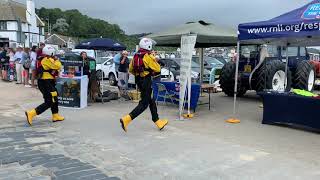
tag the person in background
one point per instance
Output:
(123, 74)
(143, 66)
(11, 63)
(172, 56)
(47, 82)
(26, 66)
(87, 70)
(3, 58)
(39, 51)
(86, 66)
(33, 58)
(19, 62)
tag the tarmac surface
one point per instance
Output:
(90, 144)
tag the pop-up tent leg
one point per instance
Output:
(101, 84)
(286, 73)
(201, 59)
(234, 119)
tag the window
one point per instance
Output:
(273, 51)
(302, 51)
(292, 51)
(3, 25)
(247, 50)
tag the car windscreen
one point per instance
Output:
(194, 64)
(214, 61)
(101, 60)
(221, 60)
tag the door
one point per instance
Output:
(106, 67)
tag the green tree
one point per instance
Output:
(73, 23)
(61, 26)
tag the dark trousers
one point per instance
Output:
(145, 86)
(47, 87)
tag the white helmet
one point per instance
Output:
(49, 50)
(146, 43)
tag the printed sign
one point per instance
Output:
(69, 92)
(187, 45)
(71, 60)
(312, 12)
(92, 65)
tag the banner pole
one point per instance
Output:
(236, 79)
(234, 119)
(187, 45)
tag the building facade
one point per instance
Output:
(19, 24)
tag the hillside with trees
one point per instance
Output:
(74, 24)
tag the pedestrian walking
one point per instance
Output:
(48, 72)
(18, 58)
(143, 67)
(123, 74)
(33, 58)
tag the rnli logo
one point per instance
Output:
(312, 12)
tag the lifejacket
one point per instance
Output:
(138, 64)
(40, 70)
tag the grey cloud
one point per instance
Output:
(151, 16)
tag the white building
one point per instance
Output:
(19, 24)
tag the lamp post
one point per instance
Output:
(49, 29)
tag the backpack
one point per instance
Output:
(27, 64)
(138, 64)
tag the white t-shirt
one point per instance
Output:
(11, 55)
(33, 58)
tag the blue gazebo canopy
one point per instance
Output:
(297, 27)
(101, 44)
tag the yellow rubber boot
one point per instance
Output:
(161, 123)
(57, 117)
(125, 121)
(30, 115)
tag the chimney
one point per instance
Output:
(31, 16)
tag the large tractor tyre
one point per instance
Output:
(227, 80)
(272, 76)
(305, 76)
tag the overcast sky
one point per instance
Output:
(137, 16)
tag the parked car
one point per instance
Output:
(222, 59)
(174, 66)
(211, 63)
(107, 68)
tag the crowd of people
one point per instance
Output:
(22, 65)
(19, 64)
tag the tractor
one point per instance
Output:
(264, 67)
(316, 64)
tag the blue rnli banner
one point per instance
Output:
(299, 23)
(312, 12)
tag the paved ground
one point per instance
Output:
(91, 145)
